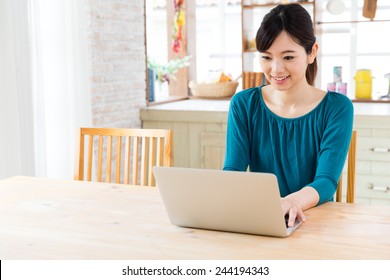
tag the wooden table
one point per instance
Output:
(58, 219)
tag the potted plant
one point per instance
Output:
(163, 73)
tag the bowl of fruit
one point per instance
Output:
(221, 87)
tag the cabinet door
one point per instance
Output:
(213, 146)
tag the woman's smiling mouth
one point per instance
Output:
(280, 78)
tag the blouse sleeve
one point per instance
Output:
(237, 135)
(333, 149)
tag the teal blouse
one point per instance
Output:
(305, 151)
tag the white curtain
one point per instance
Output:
(16, 111)
(48, 86)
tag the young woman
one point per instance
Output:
(289, 127)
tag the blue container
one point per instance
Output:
(151, 83)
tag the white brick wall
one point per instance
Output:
(116, 45)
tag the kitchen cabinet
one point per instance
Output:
(373, 159)
(252, 13)
(199, 128)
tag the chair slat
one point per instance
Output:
(351, 170)
(109, 159)
(134, 174)
(126, 168)
(159, 152)
(100, 159)
(143, 161)
(81, 163)
(339, 192)
(168, 149)
(151, 161)
(118, 159)
(90, 157)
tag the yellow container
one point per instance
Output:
(363, 80)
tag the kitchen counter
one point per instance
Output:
(205, 105)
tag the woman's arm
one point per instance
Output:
(237, 135)
(334, 146)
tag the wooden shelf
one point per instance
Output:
(362, 100)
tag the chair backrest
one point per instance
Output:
(122, 155)
(252, 79)
(350, 197)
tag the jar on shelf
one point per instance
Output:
(250, 40)
(363, 81)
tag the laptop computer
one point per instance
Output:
(243, 202)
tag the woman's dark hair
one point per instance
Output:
(296, 21)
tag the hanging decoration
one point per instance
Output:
(178, 24)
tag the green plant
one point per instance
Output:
(164, 73)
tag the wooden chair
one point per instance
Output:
(252, 79)
(350, 197)
(128, 154)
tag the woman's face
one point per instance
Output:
(284, 63)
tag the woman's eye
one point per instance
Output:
(288, 57)
(265, 58)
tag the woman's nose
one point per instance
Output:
(277, 66)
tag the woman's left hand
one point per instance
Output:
(294, 204)
(293, 210)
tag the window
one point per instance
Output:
(353, 42)
(217, 39)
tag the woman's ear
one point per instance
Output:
(313, 54)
